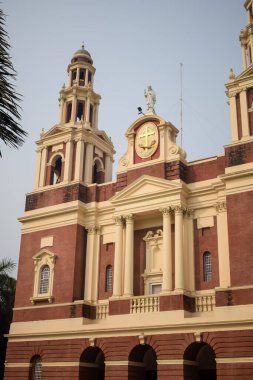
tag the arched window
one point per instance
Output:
(36, 368)
(57, 170)
(207, 266)
(44, 279)
(108, 279)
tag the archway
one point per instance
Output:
(142, 363)
(199, 362)
(92, 364)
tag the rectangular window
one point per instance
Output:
(155, 288)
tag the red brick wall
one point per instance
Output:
(205, 239)
(205, 170)
(240, 229)
(226, 344)
(69, 247)
(106, 258)
(239, 154)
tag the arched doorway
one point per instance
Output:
(199, 362)
(142, 363)
(92, 364)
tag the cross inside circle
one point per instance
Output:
(146, 141)
(147, 132)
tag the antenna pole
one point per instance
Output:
(181, 104)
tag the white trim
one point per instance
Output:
(234, 360)
(177, 362)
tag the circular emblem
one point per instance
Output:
(146, 141)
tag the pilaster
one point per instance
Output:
(68, 161)
(244, 113)
(88, 164)
(91, 246)
(43, 167)
(117, 275)
(167, 251)
(129, 256)
(179, 262)
(223, 245)
(79, 160)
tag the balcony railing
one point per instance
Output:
(144, 304)
(102, 310)
(205, 302)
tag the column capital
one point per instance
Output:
(129, 218)
(189, 212)
(220, 206)
(179, 209)
(118, 219)
(166, 210)
(92, 229)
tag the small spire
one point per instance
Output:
(82, 45)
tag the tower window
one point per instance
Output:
(108, 279)
(89, 77)
(73, 76)
(91, 115)
(82, 77)
(207, 266)
(68, 112)
(44, 279)
(80, 111)
(56, 171)
(36, 368)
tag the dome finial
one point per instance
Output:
(82, 45)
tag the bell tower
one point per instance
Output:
(75, 150)
(240, 88)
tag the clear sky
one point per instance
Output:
(133, 43)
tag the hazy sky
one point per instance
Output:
(133, 43)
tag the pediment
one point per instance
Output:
(245, 74)
(147, 187)
(54, 131)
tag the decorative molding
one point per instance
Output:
(166, 210)
(221, 206)
(141, 338)
(198, 337)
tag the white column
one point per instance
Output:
(87, 111)
(179, 263)
(88, 164)
(79, 160)
(244, 113)
(108, 168)
(68, 161)
(129, 256)
(88, 282)
(96, 116)
(190, 251)
(117, 274)
(223, 246)
(167, 251)
(233, 117)
(37, 170)
(73, 110)
(95, 269)
(61, 106)
(43, 167)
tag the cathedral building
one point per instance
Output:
(149, 276)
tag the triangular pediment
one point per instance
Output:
(245, 74)
(146, 187)
(54, 131)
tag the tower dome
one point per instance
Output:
(82, 55)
